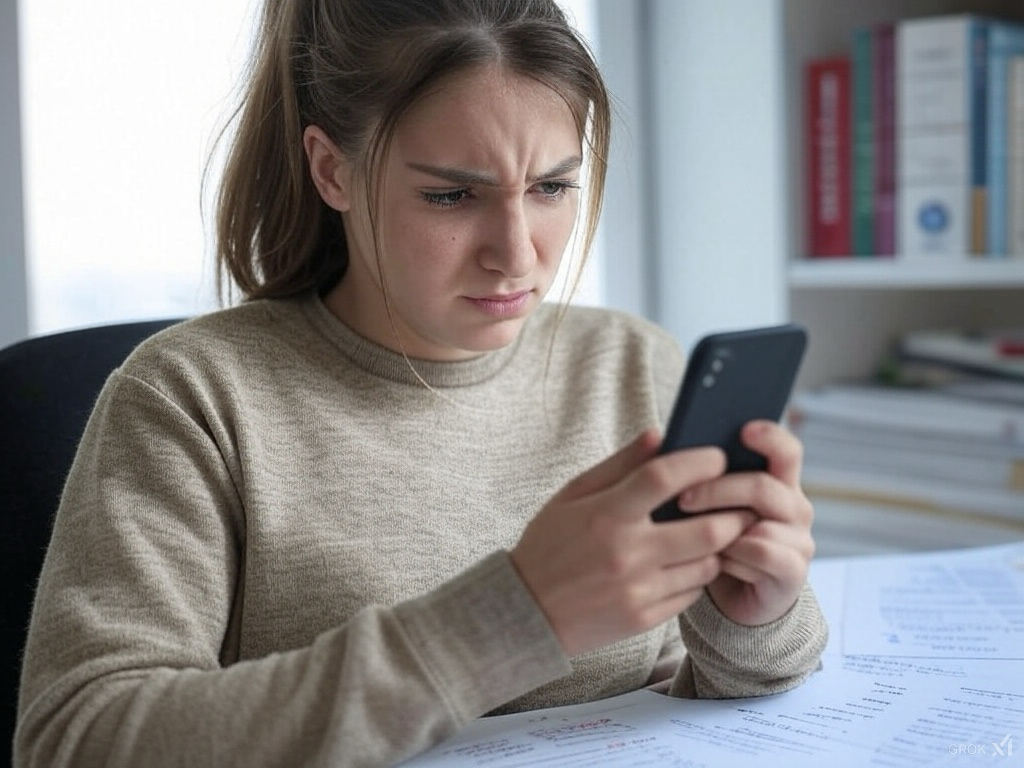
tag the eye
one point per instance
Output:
(555, 189)
(447, 199)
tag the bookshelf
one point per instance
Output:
(888, 274)
(856, 307)
(728, 138)
(860, 305)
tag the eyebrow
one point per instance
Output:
(461, 176)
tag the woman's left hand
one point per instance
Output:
(764, 570)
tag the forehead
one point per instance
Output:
(488, 115)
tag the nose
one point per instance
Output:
(508, 247)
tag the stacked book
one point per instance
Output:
(949, 437)
(914, 140)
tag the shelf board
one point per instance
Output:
(907, 273)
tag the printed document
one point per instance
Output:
(937, 679)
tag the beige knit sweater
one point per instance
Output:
(277, 547)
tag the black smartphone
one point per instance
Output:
(732, 378)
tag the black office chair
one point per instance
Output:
(48, 386)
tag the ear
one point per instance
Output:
(331, 172)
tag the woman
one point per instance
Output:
(374, 501)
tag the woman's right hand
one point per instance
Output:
(597, 564)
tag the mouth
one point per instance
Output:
(503, 304)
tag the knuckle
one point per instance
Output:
(806, 508)
(713, 533)
(618, 565)
(643, 618)
(659, 476)
(709, 569)
(797, 449)
(810, 548)
(763, 485)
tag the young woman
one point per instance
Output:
(392, 491)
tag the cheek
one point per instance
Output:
(553, 230)
(424, 258)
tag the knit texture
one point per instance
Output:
(281, 544)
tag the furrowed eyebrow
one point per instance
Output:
(460, 176)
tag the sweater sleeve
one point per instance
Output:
(125, 662)
(728, 660)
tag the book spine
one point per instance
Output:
(1005, 41)
(1015, 110)
(863, 138)
(827, 142)
(885, 139)
(933, 154)
(978, 132)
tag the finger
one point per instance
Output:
(679, 587)
(684, 584)
(610, 471)
(755, 559)
(680, 541)
(778, 445)
(798, 538)
(767, 495)
(662, 478)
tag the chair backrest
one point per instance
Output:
(48, 385)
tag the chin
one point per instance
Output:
(495, 338)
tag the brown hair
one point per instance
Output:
(353, 67)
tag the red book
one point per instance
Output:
(828, 143)
(885, 139)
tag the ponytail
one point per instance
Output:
(275, 236)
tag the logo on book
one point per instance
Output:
(1002, 748)
(933, 217)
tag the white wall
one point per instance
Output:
(13, 294)
(625, 231)
(718, 124)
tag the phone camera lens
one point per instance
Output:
(708, 381)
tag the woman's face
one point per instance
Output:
(480, 198)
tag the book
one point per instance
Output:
(827, 142)
(884, 91)
(920, 412)
(928, 494)
(994, 353)
(1005, 40)
(1009, 391)
(978, 463)
(863, 112)
(941, 137)
(1015, 129)
(819, 429)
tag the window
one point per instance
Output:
(120, 105)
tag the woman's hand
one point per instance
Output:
(601, 570)
(762, 571)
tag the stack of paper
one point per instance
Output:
(945, 432)
(938, 448)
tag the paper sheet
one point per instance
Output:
(837, 718)
(876, 708)
(967, 605)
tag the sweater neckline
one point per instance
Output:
(387, 364)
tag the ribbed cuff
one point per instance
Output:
(483, 638)
(727, 660)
